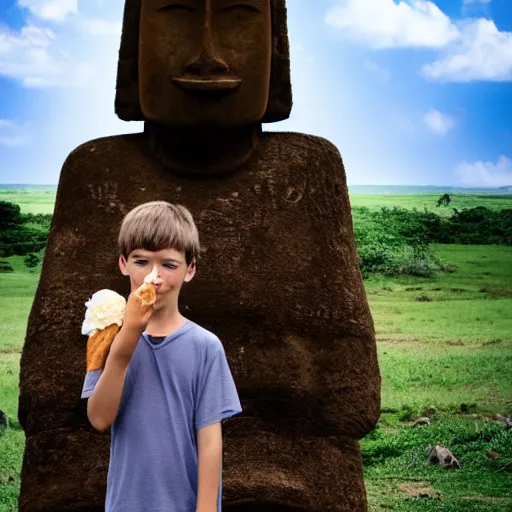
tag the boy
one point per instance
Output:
(166, 384)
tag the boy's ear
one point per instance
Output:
(122, 265)
(191, 272)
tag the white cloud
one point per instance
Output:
(385, 24)
(438, 122)
(35, 57)
(40, 56)
(472, 49)
(486, 174)
(12, 135)
(483, 53)
(52, 10)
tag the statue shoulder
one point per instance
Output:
(301, 154)
(308, 147)
(95, 155)
(93, 171)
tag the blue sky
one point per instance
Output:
(412, 92)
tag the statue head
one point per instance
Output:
(204, 62)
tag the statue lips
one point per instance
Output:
(189, 83)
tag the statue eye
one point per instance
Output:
(176, 5)
(241, 5)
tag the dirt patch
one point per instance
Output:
(418, 490)
(458, 290)
(398, 341)
(499, 292)
(497, 341)
(10, 351)
(485, 499)
(425, 298)
(456, 343)
(413, 288)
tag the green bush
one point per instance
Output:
(31, 260)
(480, 225)
(21, 234)
(43, 219)
(5, 266)
(395, 241)
(20, 248)
(10, 215)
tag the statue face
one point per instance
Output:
(205, 62)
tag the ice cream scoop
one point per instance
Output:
(104, 308)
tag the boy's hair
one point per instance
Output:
(159, 225)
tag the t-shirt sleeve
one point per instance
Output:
(217, 397)
(91, 379)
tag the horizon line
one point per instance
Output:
(353, 185)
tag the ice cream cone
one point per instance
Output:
(146, 294)
(98, 347)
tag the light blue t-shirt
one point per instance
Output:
(172, 389)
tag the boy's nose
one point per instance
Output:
(153, 277)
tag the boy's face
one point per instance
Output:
(171, 268)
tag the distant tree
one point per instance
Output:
(10, 215)
(21, 234)
(444, 200)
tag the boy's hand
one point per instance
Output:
(137, 314)
(136, 318)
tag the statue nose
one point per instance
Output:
(207, 65)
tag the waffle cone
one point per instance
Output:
(98, 347)
(146, 294)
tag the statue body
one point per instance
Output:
(278, 281)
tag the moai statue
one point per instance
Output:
(278, 280)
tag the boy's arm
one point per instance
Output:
(209, 448)
(104, 402)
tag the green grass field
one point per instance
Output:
(42, 200)
(429, 201)
(31, 200)
(444, 342)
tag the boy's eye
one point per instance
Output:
(170, 265)
(140, 262)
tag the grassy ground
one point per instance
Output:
(31, 200)
(445, 342)
(429, 201)
(470, 305)
(17, 291)
(42, 199)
